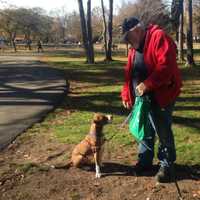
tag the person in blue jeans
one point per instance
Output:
(152, 70)
(162, 119)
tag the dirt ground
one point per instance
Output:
(25, 175)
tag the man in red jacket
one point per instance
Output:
(152, 70)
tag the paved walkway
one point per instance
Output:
(28, 91)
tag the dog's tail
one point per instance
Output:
(62, 165)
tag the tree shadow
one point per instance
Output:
(188, 99)
(99, 73)
(30, 84)
(186, 121)
(28, 92)
(191, 73)
(193, 122)
(104, 102)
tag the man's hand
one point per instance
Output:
(141, 89)
(126, 104)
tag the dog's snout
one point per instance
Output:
(110, 117)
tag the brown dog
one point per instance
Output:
(91, 145)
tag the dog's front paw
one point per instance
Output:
(98, 175)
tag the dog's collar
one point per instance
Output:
(94, 131)
(88, 141)
(94, 134)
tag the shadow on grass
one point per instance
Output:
(191, 73)
(78, 52)
(196, 51)
(98, 75)
(69, 53)
(101, 72)
(107, 103)
(184, 120)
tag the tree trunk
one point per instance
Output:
(110, 28)
(127, 49)
(177, 35)
(105, 28)
(83, 28)
(180, 41)
(190, 59)
(89, 31)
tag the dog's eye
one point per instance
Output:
(105, 119)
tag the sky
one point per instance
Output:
(49, 5)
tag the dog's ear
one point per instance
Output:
(97, 118)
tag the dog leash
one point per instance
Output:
(121, 126)
(125, 121)
(141, 142)
(173, 170)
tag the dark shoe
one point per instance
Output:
(139, 168)
(165, 174)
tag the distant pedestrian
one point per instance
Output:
(39, 46)
(2, 45)
(28, 44)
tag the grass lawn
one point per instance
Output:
(96, 88)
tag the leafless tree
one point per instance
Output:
(189, 36)
(180, 38)
(96, 24)
(177, 19)
(56, 31)
(196, 16)
(108, 28)
(147, 11)
(84, 28)
(9, 24)
(104, 27)
(30, 23)
(89, 33)
(60, 21)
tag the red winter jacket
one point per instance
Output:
(163, 74)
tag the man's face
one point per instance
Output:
(134, 36)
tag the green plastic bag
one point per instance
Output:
(139, 123)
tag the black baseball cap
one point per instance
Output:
(128, 24)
